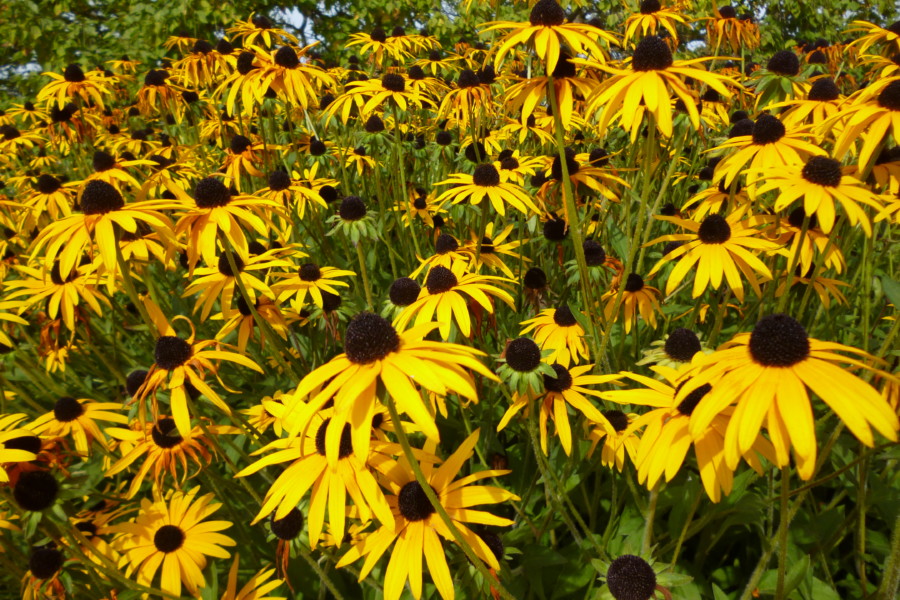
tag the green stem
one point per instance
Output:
(784, 523)
(890, 581)
(648, 519)
(365, 276)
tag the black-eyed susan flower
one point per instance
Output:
(492, 247)
(64, 295)
(767, 374)
(726, 28)
(294, 80)
(102, 209)
(161, 450)
(181, 362)
(676, 349)
(375, 353)
(308, 283)
(821, 184)
(665, 440)
(769, 145)
(564, 387)
(50, 196)
(469, 100)
(651, 17)
(556, 329)
(297, 190)
(243, 321)
(378, 44)
(92, 86)
(11, 450)
(309, 471)
(445, 297)
(870, 116)
(654, 77)
(259, 27)
(721, 248)
(524, 96)
(637, 300)
(371, 94)
(78, 418)
(243, 155)
(219, 282)
(822, 103)
(418, 529)
(803, 250)
(172, 534)
(548, 30)
(485, 183)
(216, 210)
(619, 442)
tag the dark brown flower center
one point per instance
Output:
(99, 197)
(523, 355)
(211, 193)
(404, 291)
(168, 538)
(889, 97)
(779, 341)
(652, 54)
(767, 130)
(412, 502)
(171, 352)
(370, 337)
(714, 230)
(393, 82)
(561, 382)
(682, 344)
(440, 279)
(784, 62)
(67, 409)
(486, 175)
(823, 171)
(547, 13)
(165, 434)
(631, 578)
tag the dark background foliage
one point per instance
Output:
(40, 35)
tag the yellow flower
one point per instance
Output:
(653, 78)
(548, 29)
(766, 373)
(444, 298)
(557, 330)
(418, 529)
(721, 248)
(77, 418)
(485, 182)
(172, 534)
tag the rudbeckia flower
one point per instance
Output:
(378, 44)
(887, 39)
(548, 29)
(309, 469)
(769, 145)
(727, 28)
(444, 298)
(564, 387)
(821, 184)
(310, 280)
(78, 419)
(181, 362)
(162, 450)
(523, 97)
(665, 440)
(217, 210)
(802, 250)
(90, 87)
(619, 439)
(484, 183)
(260, 27)
(720, 247)
(172, 533)
(652, 16)
(102, 208)
(557, 330)
(653, 78)
(767, 374)
(418, 529)
(63, 294)
(875, 112)
(295, 81)
(375, 353)
(370, 94)
(638, 299)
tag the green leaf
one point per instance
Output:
(891, 290)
